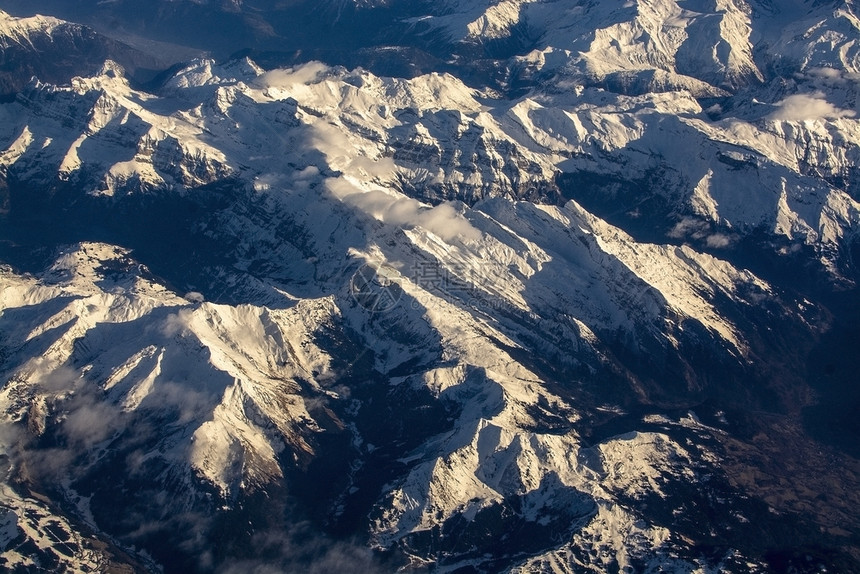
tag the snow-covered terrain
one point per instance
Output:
(417, 323)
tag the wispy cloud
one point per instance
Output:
(690, 228)
(177, 323)
(302, 548)
(718, 240)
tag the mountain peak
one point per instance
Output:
(15, 29)
(526, 286)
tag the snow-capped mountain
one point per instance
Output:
(55, 51)
(575, 318)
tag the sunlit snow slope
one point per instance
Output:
(310, 317)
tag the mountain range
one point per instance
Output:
(515, 286)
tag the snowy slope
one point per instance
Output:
(463, 330)
(791, 169)
(232, 389)
(55, 51)
(18, 30)
(709, 48)
(233, 385)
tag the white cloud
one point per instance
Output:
(56, 379)
(718, 240)
(813, 106)
(689, 228)
(826, 73)
(443, 220)
(177, 323)
(194, 297)
(382, 168)
(90, 420)
(348, 156)
(308, 173)
(287, 77)
(334, 144)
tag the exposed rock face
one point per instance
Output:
(55, 51)
(572, 328)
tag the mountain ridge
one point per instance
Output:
(419, 324)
